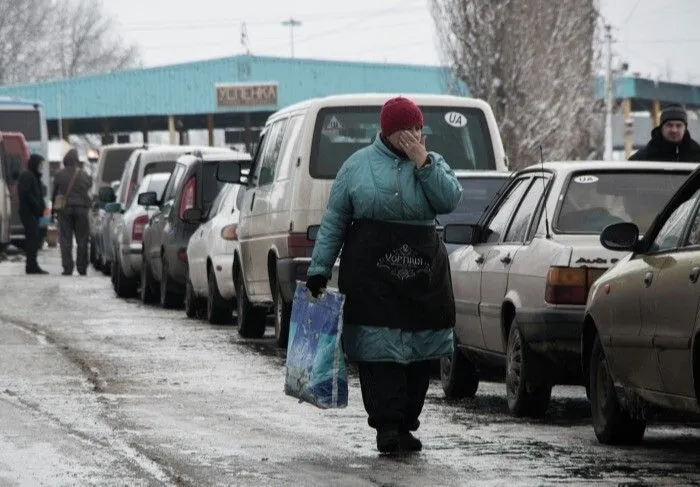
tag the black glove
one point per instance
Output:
(315, 283)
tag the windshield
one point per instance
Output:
(114, 163)
(459, 134)
(595, 200)
(159, 166)
(476, 195)
(157, 185)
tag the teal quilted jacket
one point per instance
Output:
(374, 183)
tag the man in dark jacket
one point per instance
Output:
(670, 141)
(73, 184)
(31, 209)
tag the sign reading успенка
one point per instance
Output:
(246, 94)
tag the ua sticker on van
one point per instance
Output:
(455, 119)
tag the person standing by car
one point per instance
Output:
(670, 141)
(399, 310)
(71, 202)
(31, 209)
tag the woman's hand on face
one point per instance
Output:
(414, 147)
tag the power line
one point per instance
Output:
(636, 4)
(276, 46)
(229, 23)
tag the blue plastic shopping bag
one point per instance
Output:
(316, 369)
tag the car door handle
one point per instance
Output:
(648, 277)
(506, 259)
(479, 260)
(694, 274)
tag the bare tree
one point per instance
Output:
(534, 62)
(49, 39)
(86, 41)
(23, 37)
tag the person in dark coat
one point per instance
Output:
(670, 141)
(31, 209)
(399, 309)
(74, 185)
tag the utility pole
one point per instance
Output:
(608, 149)
(291, 23)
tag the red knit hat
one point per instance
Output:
(399, 114)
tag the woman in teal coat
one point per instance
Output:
(399, 308)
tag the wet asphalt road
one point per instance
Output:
(95, 390)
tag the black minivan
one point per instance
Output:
(187, 198)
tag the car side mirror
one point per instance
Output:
(114, 208)
(107, 195)
(459, 233)
(192, 215)
(148, 198)
(620, 237)
(312, 232)
(228, 172)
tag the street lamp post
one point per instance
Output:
(291, 23)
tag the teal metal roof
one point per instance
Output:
(190, 88)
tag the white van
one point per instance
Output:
(301, 149)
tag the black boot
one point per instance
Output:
(409, 443)
(388, 440)
(36, 270)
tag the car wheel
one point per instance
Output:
(612, 424)
(458, 375)
(192, 302)
(125, 287)
(283, 313)
(149, 293)
(526, 394)
(105, 266)
(219, 311)
(251, 319)
(113, 273)
(168, 298)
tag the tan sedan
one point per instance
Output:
(640, 346)
(522, 275)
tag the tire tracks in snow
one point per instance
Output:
(132, 453)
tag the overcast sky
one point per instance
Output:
(657, 38)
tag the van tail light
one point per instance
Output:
(137, 230)
(229, 232)
(188, 197)
(299, 245)
(570, 285)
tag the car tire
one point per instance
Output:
(526, 394)
(458, 375)
(125, 287)
(168, 298)
(251, 319)
(105, 266)
(283, 313)
(149, 292)
(612, 424)
(192, 301)
(219, 310)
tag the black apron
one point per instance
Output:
(396, 275)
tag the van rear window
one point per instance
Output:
(459, 134)
(115, 162)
